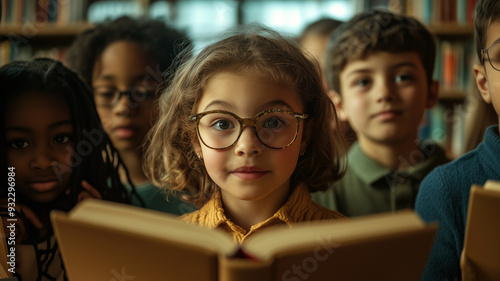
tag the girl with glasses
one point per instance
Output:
(123, 62)
(244, 130)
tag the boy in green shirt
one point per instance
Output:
(379, 67)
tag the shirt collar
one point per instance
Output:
(293, 208)
(370, 171)
(365, 168)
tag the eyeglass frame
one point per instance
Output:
(128, 93)
(487, 51)
(248, 122)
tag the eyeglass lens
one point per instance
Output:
(109, 96)
(494, 55)
(274, 129)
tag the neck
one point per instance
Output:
(133, 162)
(247, 213)
(393, 156)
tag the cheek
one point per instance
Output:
(68, 156)
(20, 162)
(215, 162)
(104, 115)
(356, 110)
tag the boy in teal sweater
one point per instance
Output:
(444, 194)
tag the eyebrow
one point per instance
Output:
(134, 79)
(51, 126)
(368, 70)
(224, 104)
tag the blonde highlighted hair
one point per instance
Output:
(171, 161)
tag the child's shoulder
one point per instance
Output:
(209, 215)
(300, 207)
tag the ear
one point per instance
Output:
(433, 94)
(196, 144)
(482, 82)
(337, 102)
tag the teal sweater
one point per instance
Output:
(444, 197)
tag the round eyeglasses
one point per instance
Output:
(109, 97)
(220, 129)
(493, 55)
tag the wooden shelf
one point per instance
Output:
(452, 94)
(452, 30)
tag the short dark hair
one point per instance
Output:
(377, 30)
(485, 13)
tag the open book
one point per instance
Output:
(102, 240)
(481, 255)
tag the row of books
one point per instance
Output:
(442, 11)
(454, 60)
(17, 12)
(10, 52)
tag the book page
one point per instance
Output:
(152, 223)
(492, 185)
(266, 244)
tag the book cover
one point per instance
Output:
(481, 255)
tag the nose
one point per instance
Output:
(42, 158)
(124, 106)
(385, 92)
(248, 143)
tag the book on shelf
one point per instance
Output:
(101, 240)
(41, 12)
(481, 254)
(432, 12)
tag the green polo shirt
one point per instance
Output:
(368, 187)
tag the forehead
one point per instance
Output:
(123, 61)
(36, 109)
(384, 61)
(493, 33)
(246, 94)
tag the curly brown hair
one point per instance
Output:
(171, 161)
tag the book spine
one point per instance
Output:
(231, 269)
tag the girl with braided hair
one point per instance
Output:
(56, 153)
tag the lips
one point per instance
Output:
(43, 184)
(124, 132)
(387, 115)
(249, 173)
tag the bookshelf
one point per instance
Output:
(40, 28)
(451, 22)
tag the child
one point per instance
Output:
(444, 194)
(236, 132)
(54, 146)
(126, 58)
(380, 66)
(314, 39)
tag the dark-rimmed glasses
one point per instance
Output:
(109, 97)
(220, 129)
(493, 55)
